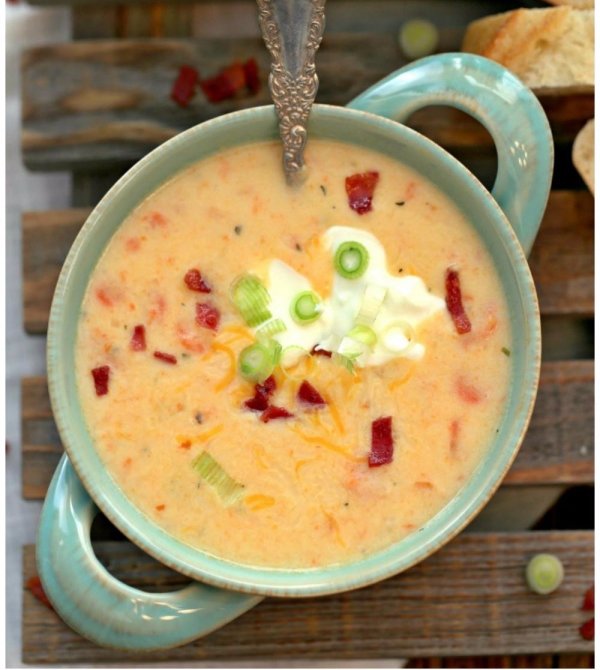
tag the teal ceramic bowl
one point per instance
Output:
(110, 613)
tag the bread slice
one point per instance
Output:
(576, 4)
(550, 50)
(583, 154)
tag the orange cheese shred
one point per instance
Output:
(230, 376)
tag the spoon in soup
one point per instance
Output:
(292, 31)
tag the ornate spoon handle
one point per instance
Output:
(292, 31)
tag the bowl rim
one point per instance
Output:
(313, 581)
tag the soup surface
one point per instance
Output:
(196, 377)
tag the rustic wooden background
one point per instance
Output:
(93, 106)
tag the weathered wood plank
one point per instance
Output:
(104, 102)
(558, 448)
(469, 598)
(562, 261)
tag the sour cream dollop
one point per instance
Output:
(407, 302)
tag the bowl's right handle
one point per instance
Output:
(495, 97)
(100, 607)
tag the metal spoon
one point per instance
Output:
(292, 31)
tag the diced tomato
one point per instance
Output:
(360, 188)
(184, 87)
(138, 339)
(252, 78)
(225, 84)
(586, 630)
(101, 376)
(167, 358)
(468, 392)
(588, 600)
(454, 303)
(207, 315)
(34, 584)
(273, 412)
(308, 393)
(193, 280)
(382, 442)
(262, 392)
(320, 352)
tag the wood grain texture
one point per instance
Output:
(104, 102)
(469, 598)
(558, 447)
(562, 260)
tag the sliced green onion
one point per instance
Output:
(345, 360)
(214, 475)
(251, 298)
(544, 573)
(351, 259)
(418, 38)
(305, 307)
(397, 337)
(372, 300)
(271, 328)
(258, 361)
(364, 335)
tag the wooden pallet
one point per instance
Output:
(94, 106)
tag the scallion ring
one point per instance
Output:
(258, 361)
(305, 307)
(371, 303)
(214, 475)
(544, 573)
(270, 328)
(251, 298)
(364, 335)
(351, 259)
(397, 337)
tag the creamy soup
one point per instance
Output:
(293, 377)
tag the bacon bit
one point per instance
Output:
(104, 297)
(138, 339)
(186, 444)
(360, 188)
(133, 244)
(308, 393)
(160, 508)
(34, 584)
(273, 412)
(262, 393)
(167, 358)
(101, 376)
(586, 630)
(207, 315)
(252, 77)
(225, 84)
(454, 303)
(468, 392)
(320, 352)
(454, 431)
(588, 600)
(184, 87)
(193, 280)
(382, 442)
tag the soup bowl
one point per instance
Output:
(111, 613)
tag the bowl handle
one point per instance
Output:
(495, 97)
(103, 609)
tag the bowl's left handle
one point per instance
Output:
(100, 607)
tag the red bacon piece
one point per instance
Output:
(273, 412)
(320, 352)
(252, 78)
(225, 84)
(138, 339)
(586, 630)
(454, 303)
(360, 188)
(34, 584)
(308, 393)
(382, 442)
(207, 315)
(193, 280)
(262, 392)
(184, 87)
(101, 376)
(166, 358)
(588, 600)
